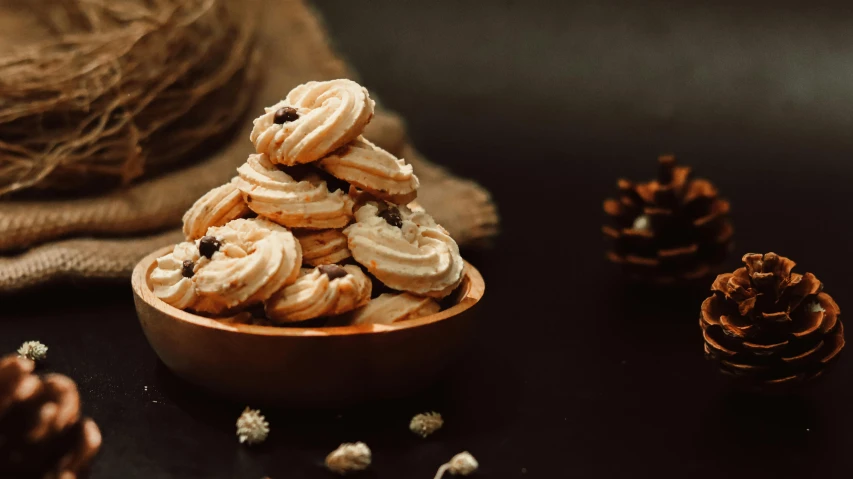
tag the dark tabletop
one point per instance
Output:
(573, 373)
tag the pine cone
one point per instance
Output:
(769, 327)
(41, 432)
(670, 229)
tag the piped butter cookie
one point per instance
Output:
(300, 199)
(322, 246)
(391, 308)
(312, 121)
(326, 290)
(374, 170)
(172, 277)
(405, 250)
(217, 207)
(244, 262)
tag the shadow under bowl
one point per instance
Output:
(316, 367)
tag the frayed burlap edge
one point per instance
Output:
(78, 259)
(295, 50)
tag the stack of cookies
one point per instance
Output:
(306, 215)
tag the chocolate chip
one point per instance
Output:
(333, 271)
(187, 269)
(208, 245)
(285, 114)
(391, 215)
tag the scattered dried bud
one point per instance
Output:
(33, 350)
(426, 423)
(252, 427)
(349, 457)
(462, 464)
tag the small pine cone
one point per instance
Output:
(769, 328)
(674, 228)
(41, 432)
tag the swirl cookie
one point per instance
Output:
(315, 119)
(217, 207)
(373, 170)
(172, 278)
(326, 290)
(299, 201)
(392, 308)
(244, 262)
(406, 251)
(323, 246)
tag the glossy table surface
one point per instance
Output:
(573, 372)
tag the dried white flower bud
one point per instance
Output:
(349, 457)
(426, 423)
(462, 464)
(252, 427)
(33, 350)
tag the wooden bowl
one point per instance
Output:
(318, 367)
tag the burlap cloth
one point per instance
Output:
(103, 237)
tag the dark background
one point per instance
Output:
(573, 373)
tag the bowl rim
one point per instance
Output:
(475, 288)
